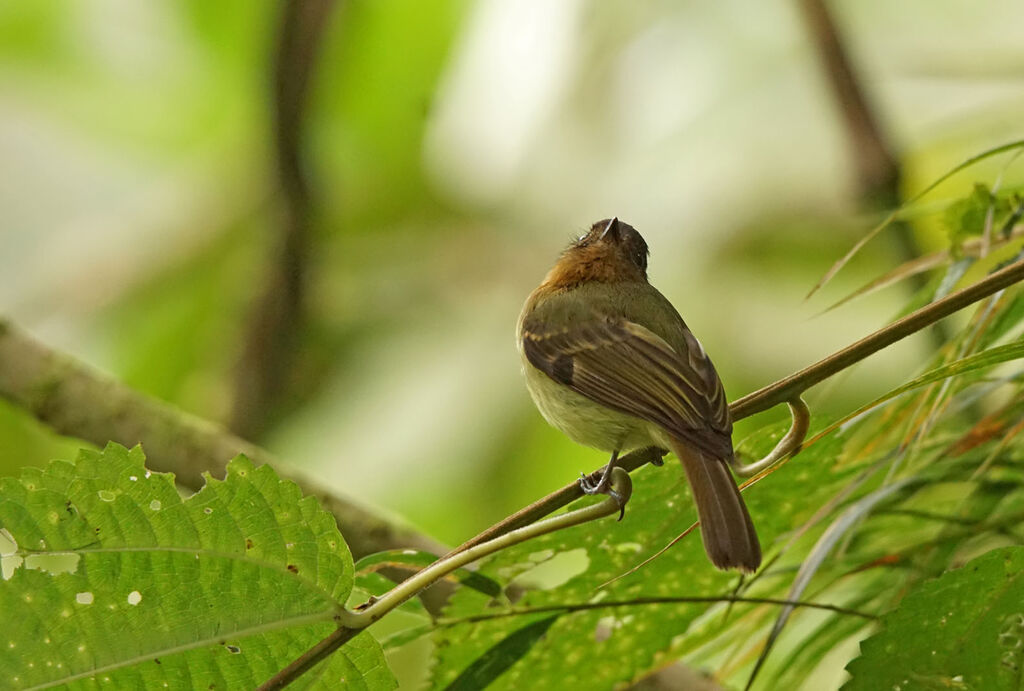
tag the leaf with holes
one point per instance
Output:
(110, 577)
(964, 630)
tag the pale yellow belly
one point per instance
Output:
(585, 421)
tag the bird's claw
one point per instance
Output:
(591, 486)
(620, 501)
(603, 486)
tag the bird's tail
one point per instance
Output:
(725, 526)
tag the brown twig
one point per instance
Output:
(632, 602)
(76, 401)
(786, 389)
(556, 500)
(309, 659)
(277, 318)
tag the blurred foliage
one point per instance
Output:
(453, 147)
(971, 216)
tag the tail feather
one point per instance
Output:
(725, 526)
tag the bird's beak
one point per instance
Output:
(612, 225)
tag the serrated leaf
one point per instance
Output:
(216, 591)
(963, 630)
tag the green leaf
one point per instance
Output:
(978, 361)
(964, 630)
(967, 217)
(977, 158)
(113, 578)
(498, 659)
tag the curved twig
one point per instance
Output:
(787, 446)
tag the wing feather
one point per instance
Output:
(629, 368)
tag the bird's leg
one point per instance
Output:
(603, 486)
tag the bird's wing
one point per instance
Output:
(629, 368)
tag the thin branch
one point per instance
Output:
(76, 401)
(556, 500)
(278, 316)
(785, 389)
(682, 600)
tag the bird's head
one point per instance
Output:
(610, 252)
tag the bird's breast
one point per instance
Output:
(583, 420)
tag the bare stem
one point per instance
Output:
(784, 390)
(640, 601)
(795, 384)
(353, 622)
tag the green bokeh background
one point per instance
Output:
(453, 148)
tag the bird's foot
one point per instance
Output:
(595, 483)
(602, 485)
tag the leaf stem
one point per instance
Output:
(350, 623)
(634, 602)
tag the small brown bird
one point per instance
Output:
(611, 363)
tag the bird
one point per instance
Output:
(610, 363)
